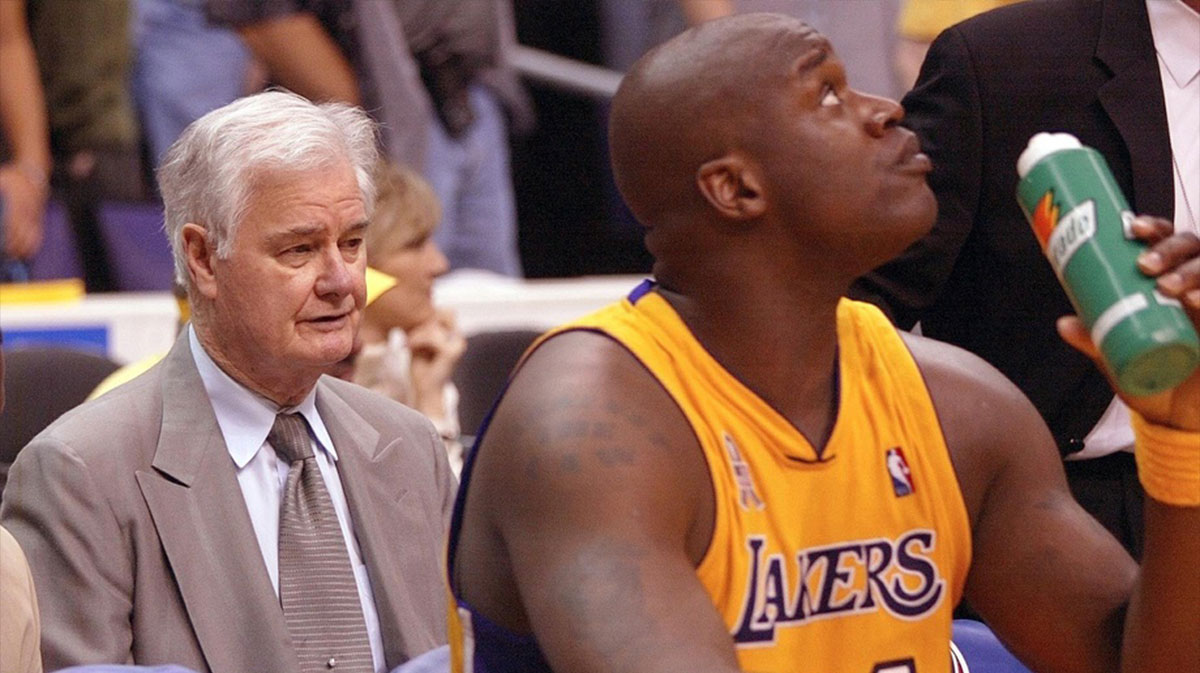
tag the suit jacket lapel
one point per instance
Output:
(383, 514)
(200, 514)
(1133, 99)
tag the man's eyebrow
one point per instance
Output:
(302, 231)
(298, 231)
(819, 53)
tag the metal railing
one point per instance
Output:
(564, 73)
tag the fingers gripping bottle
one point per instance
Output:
(1082, 221)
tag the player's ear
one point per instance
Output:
(732, 185)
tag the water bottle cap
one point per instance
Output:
(1042, 145)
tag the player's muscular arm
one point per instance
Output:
(604, 511)
(1162, 629)
(1050, 580)
(1046, 576)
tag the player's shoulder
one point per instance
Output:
(584, 403)
(981, 412)
(948, 369)
(972, 398)
(987, 422)
(591, 364)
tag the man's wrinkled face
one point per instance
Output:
(288, 297)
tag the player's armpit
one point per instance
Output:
(597, 488)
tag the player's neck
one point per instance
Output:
(783, 348)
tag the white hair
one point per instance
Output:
(209, 173)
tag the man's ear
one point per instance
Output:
(199, 255)
(732, 185)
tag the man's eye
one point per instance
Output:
(352, 244)
(830, 98)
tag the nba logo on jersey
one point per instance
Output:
(897, 468)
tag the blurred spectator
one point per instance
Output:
(84, 52)
(20, 624)
(24, 145)
(434, 73)
(183, 67)
(410, 347)
(921, 20)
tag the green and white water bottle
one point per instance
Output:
(1082, 220)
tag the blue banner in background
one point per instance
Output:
(89, 338)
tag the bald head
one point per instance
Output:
(693, 99)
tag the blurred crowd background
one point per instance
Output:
(500, 105)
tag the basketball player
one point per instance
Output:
(736, 469)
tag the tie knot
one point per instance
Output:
(289, 437)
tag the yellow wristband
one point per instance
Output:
(1168, 462)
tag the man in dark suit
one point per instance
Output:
(979, 280)
(232, 509)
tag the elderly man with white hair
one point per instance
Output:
(234, 510)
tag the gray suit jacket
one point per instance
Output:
(142, 549)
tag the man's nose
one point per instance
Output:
(336, 276)
(882, 114)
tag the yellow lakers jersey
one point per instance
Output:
(847, 559)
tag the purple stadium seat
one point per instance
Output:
(137, 249)
(57, 257)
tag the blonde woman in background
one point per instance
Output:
(409, 346)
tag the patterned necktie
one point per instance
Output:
(316, 583)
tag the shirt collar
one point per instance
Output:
(245, 417)
(1176, 31)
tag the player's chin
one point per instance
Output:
(914, 215)
(905, 221)
(926, 211)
